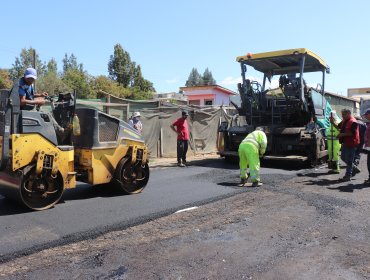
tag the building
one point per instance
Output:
(359, 93)
(339, 102)
(171, 97)
(207, 95)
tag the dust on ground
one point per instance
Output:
(309, 227)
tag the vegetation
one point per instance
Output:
(5, 81)
(125, 78)
(195, 79)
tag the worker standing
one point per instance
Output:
(349, 137)
(333, 144)
(367, 144)
(250, 150)
(361, 131)
(135, 122)
(182, 131)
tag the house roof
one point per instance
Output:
(216, 87)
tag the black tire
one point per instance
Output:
(131, 179)
(40, 194)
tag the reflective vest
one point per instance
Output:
(257, 138)
(350, 141)
(332, 133)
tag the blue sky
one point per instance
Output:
(169, 38)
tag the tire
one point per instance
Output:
(131, 179)
(40, 194)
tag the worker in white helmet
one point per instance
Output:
(333, 144)
(135, 122)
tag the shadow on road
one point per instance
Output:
(229, 184)
(322, 182)
(312, 174)
(10, 207)
(234, 164)
(350, 188)
(88, 192)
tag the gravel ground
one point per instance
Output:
(306, 227)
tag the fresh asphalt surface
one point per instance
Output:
(86, 211)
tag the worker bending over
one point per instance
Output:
(250, 150)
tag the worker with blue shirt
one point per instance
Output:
(28, 97)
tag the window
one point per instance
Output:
(194, 102)
(208, 102)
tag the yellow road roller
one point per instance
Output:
(37, 164)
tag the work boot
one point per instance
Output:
(242, 182)
(355, 170)
(346, 178)
(256, 184)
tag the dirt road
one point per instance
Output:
(306, 227)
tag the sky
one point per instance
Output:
(168, 38)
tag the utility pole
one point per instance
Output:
(34, 66)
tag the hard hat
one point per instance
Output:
(136, 114)
(30, 73)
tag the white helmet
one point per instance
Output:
(136, 114)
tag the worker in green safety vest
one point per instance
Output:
(250, 150)
(333, 144)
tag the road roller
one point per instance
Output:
(38, 162)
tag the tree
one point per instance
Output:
(5, 81)
(52, 66)
(51, 82)
(120, 67)
(195, 79)
(79, 81)
(140, 82)
(70, 63)
(103, 83)
(208, 78)
(127, 74)
(24, 61)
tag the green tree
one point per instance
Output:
(79, 81)
(5, 81)
(52, 66)
(24, 61)
(120, 67)
(140, 82)
(51, 82)
(195, 79)
(208, 78)
(128, 75)
(70, 63)
(103, 83)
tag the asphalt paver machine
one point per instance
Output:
(294, 115)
